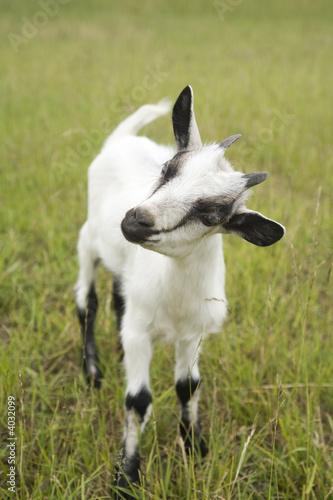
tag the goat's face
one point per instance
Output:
(197, 194)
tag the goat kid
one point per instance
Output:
(155, 218)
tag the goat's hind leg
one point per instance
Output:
(87, 305)
(118, 304)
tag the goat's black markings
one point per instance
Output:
(139, 402)
(172, 168)
(90, 357)
(118, 305)
(186, 389)
(213, 208)
(118, 301)
(181, 118)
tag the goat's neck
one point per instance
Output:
(202, 257)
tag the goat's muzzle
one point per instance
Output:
(137, 226)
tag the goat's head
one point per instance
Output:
(197, 194)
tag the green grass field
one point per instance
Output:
(262, 69)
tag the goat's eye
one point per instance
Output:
(209, 220)
(164, 169)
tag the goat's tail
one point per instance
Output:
(141, 117)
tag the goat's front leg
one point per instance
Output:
(187, 379)
(138, 404)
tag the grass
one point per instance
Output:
(260, 69)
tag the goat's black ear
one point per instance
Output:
(184, 125)
(255, 228)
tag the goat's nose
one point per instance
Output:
(143, 218)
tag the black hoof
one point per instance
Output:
(93, 374)
(193, 440)
(123, 489)
(96, 383)
(127, 475)
(201, 445)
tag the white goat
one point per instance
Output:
(169, 284)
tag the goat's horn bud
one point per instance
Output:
(227, 142)
(255, 178)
